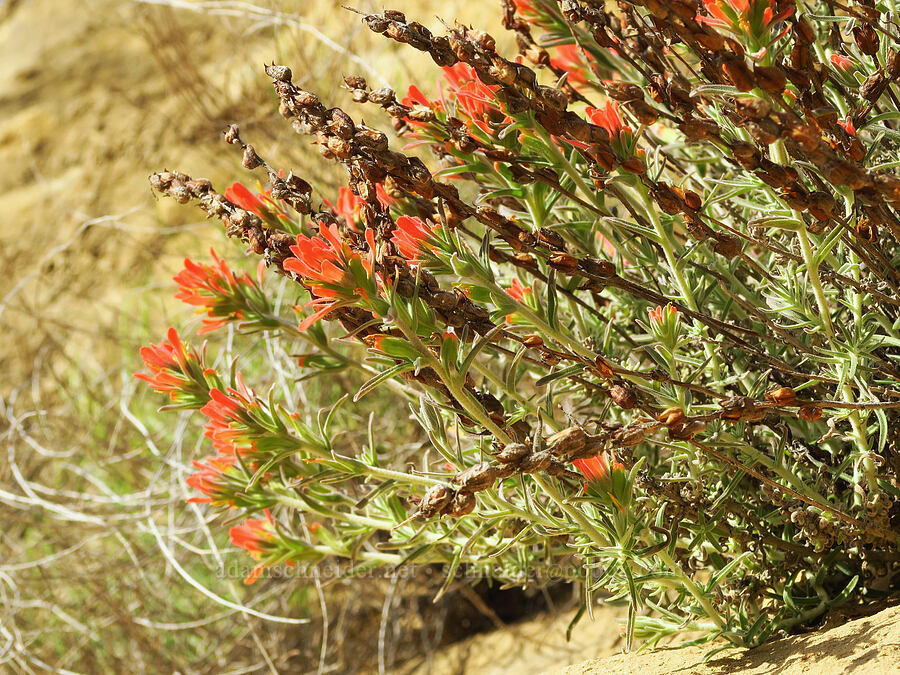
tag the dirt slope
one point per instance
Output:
(866, 646)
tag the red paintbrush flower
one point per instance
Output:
(518, 292)
(326, 265)
(847, 125)
(412, 237)
(477, 100)
(415, 98)
(597, 469)
(569, 59)
(349, 206)
(743, 15)
(214, 289)
(230, 424)
(608, 118)
(383, 197)
(211, 478)
(239, 195)
(658, 314)
(842, 63)
(605, 478)
(524, 6)
(260, 203)
(178, 371)
(257, 536)
(166, 362)
(223, 482)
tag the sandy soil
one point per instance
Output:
(866, 646)
(863, 646)
(535, 646)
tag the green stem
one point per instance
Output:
(812, 273)
(470, 404)
(694, 590)
(665, 241)
(401, 477)
(586, 526)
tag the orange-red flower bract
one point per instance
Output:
(847, 125)
(238, 194)
(517, 291)
(214, 289)
(841, 62)
(520, 294)
(569, 59)
(256, 536)
(324, 264)
(658, 314)
(411, 237)
(178, 371)
(739, 14)
(607, 117)
(212, 480)
(476, 99)
(597, 468)
(229, 420)
(260, 203)
(348, 206)
(606, 476)
(414, 97)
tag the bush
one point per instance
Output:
(642, 306)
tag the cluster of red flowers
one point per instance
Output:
(337, 275)
(215, 290)
(349, 206)
(229, 421)
(177, 370)
(474, 100)
(569, 58)
(754, 17)
(326, 264)
(518, 292)
(215, 480)
(478, 101)
(608, 118)
(258, 537)
(260, 203)
(412, 238)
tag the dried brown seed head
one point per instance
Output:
(770, 78)
(671, 416)
(810, 413)
(250, 159)
(279, 73)
(233, 134)
(782, 396)
(867, 230)
(462, 504)
(567, 442)
(866, 39)
(564, 262)
(623, 396)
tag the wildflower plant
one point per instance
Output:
(638, 286)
